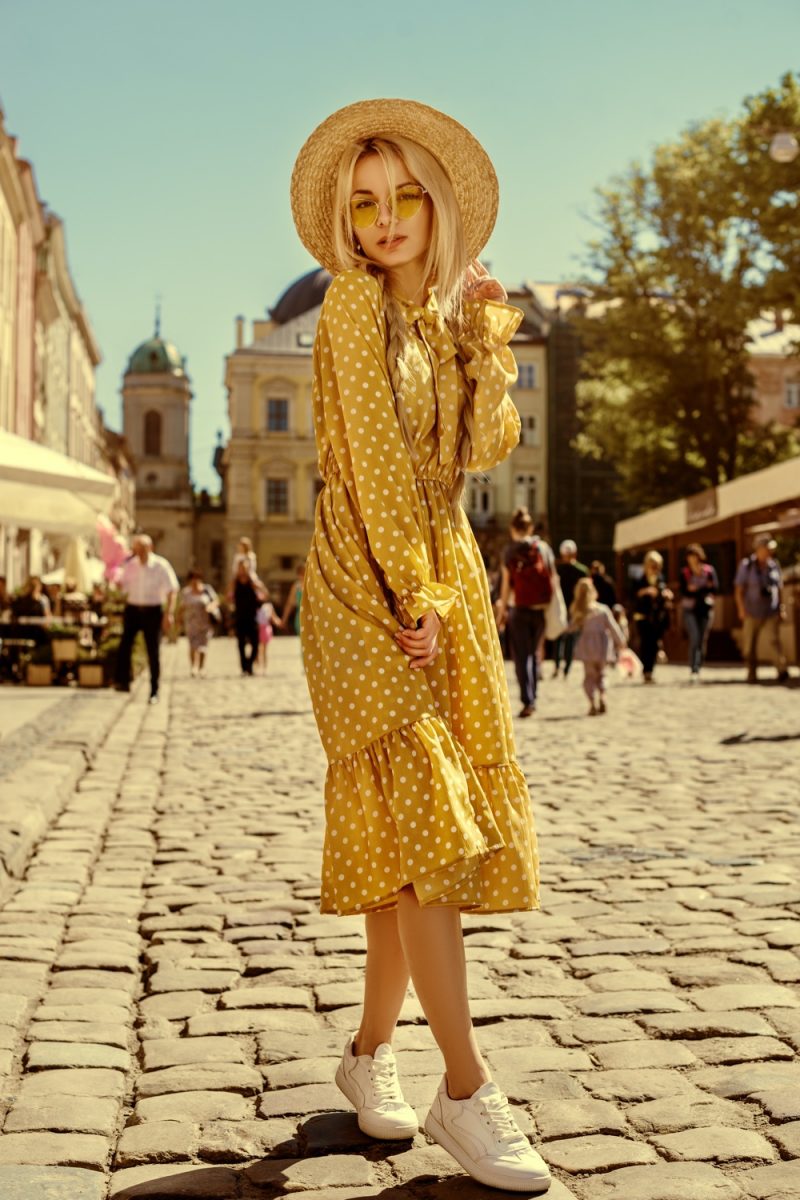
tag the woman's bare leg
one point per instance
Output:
(433, 945)
(385, 982)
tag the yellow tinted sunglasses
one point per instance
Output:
(406, 202)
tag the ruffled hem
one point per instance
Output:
(410, 808)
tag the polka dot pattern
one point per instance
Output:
(423, 786)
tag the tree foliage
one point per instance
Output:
(689, 250)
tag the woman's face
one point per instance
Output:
(409, 240)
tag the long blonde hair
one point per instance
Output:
(584, 601)
(445, 265)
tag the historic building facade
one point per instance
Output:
(156, 405)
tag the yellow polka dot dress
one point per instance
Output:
(422, 786)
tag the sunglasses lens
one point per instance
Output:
(408, 202)
(363, 213)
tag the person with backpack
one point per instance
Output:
(758, 587)
(529, 570)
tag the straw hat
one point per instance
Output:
(459, 152)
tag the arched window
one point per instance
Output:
(152, 434)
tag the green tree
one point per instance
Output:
(688, 252)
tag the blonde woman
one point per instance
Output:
(598, 635)
(427, 810)
(651, 610)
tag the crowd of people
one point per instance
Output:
(557, 607)
(546, 605)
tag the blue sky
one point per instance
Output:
(163, 132)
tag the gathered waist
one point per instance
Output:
(332, 470)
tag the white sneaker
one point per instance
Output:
(372, 1087)
(482, 1135)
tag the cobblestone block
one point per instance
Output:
(643, 1054)
(297, 1101)
(782, 1103)
(162, 1180)
(70, 1083)
(596, 1152)
(77, 1054)
(177, 1052)
(778, 1182)
(667, 1181)
(687, 1112)
(631, 1084)
(706, 1025)
(195, 1107)
(242, 1141)
(310, 1174)
(744, 995)
(267, 997)
(50, 1183)
(582, 1030)
(567, 1118)
(98, 1032)
(608, 1003)
(54, 1149)
(157, 1142)
(743, 1079)
(714, 1143)
(61, 1114)
(200, 1077)
(740, 1049)
(252, 1021)
(540, 1058)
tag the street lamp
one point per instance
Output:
(784, 147)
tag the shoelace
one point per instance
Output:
(385, 1081)
(502, 1123)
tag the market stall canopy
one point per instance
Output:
(773, 486)
(42, 489)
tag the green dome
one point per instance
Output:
(156, 357)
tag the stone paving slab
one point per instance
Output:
(173, 1004)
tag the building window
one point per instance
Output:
(216, 555)
(287, 562)
(277, 497)
(481, 501)
(525, 492)
(527, 375)
(792, 396)
(277, 415)
(152, 434)
(530, 431)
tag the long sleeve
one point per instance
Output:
(491, 366)
(361, 420)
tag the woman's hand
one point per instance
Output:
(480, 285)
(421, 645)
(500, 614)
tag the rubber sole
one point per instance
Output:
(401, 1134)
(440, 1135)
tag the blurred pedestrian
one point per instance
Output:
(570, 571)
(598, 637)
(32, 603)
(651, 610)
(247, 597)
(151, 590)
(528, 569)
(758, 588)
(698, 587)
(200, 610)
(266, 617)
(294, 599)
(606, 592)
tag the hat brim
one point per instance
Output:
(463, 158)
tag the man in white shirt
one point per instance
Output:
(151, 588)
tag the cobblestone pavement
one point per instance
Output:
(173, 1005)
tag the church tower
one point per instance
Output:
(156, 403)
